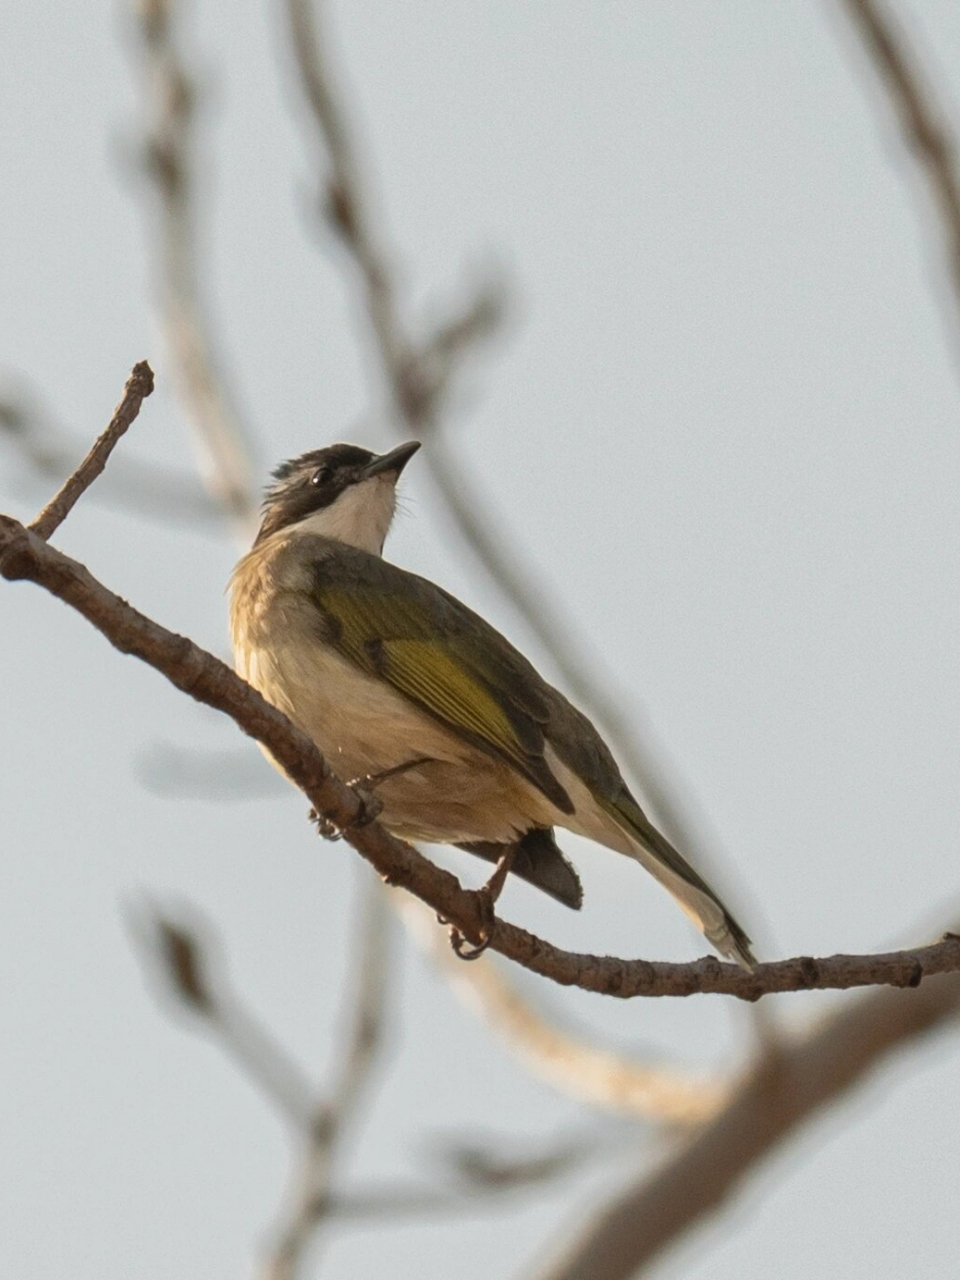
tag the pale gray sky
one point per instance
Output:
(724, 422)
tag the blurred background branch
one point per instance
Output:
(923, 124)
(183, 957)
(225, 440)
(336, 1115)
(806, 1074)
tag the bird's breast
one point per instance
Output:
(363, 726)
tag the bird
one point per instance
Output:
(410, 693)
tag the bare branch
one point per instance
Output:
(482, 1173)
(346, 209)
(168, 161)
(185, 959)
(921, 121)
(139, 386)
(25, 556)
(147, 488)
(786, 1091)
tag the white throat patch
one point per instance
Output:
(360, 517)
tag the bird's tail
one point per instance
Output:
(691, 892)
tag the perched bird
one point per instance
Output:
(408, 691)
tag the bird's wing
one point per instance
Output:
(439, 654)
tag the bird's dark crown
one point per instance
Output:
(335, 456)
(309, 483)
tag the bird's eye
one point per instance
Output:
(320, 476)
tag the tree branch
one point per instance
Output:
(139, 386)
(183, 956)
(192, 670)
(146, 488)
(920, 119)
(787, 1089)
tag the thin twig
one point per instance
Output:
(192, 670)
(185, 958)
(366, 1204)
(481, 1174)
(220, 430)
(348, 212)
(921, 120)
(146, 488)
(139, 386)
(787, 1090)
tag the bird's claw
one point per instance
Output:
(488, 922)
(370, 808)
(462, 950)
(326, 827)
(486, 899)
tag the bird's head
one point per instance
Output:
(341, 492)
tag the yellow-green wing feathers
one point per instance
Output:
(450, 662)
(440, 655)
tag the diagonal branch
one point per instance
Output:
(139, 386)
(192, 670)
(185, 958)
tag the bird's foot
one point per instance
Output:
(370, 809)
(371, 806)
(486, 899)
(488, 923)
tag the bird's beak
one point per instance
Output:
(391, 463)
